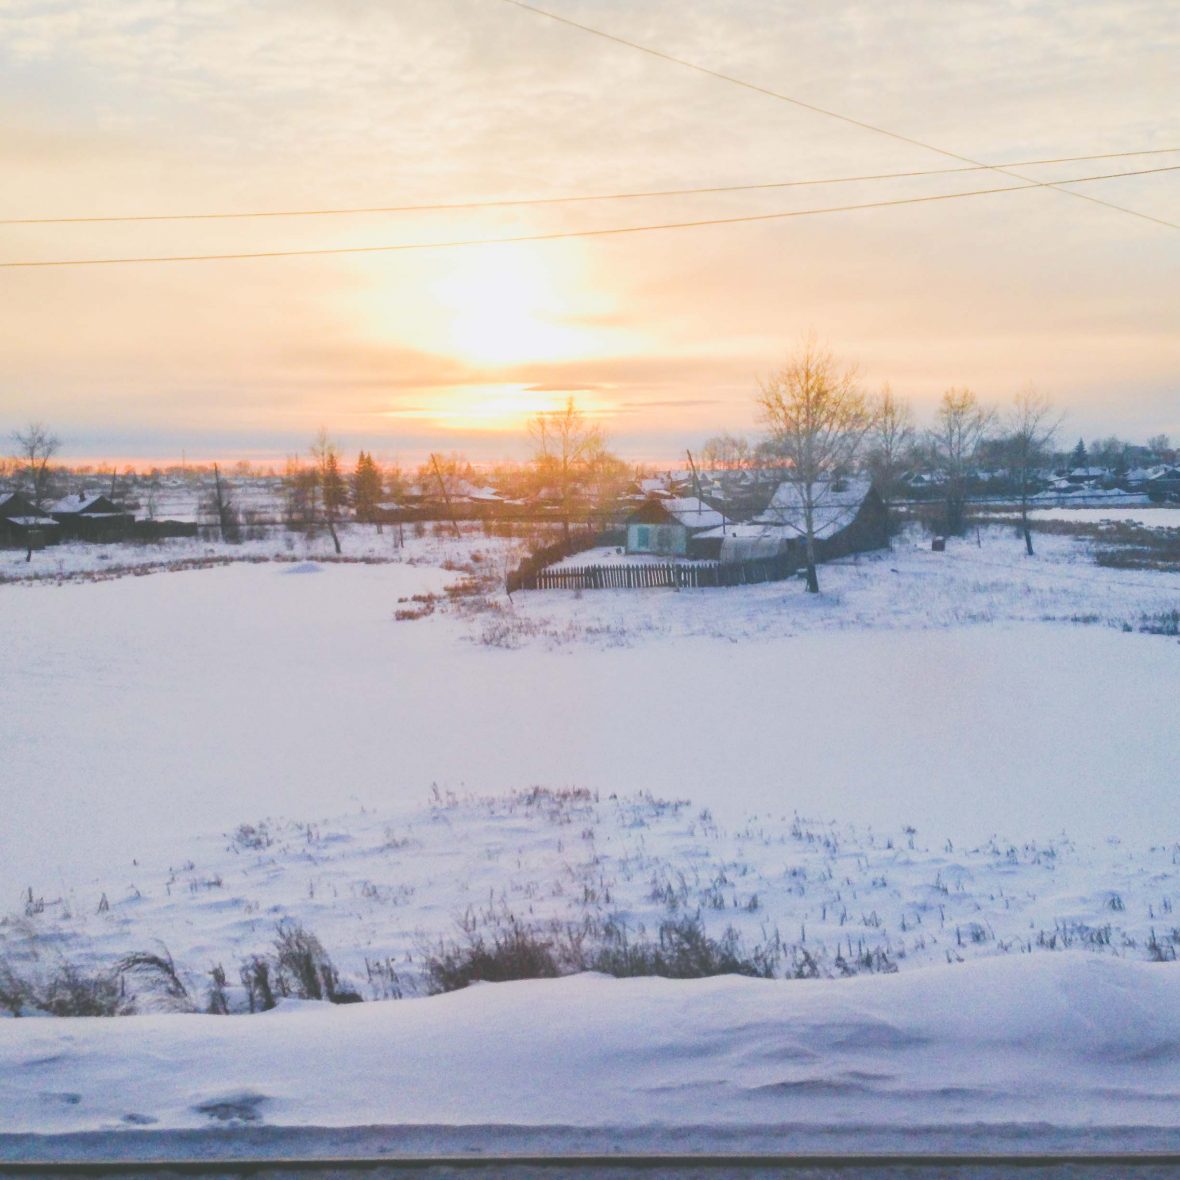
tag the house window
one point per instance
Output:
(643, 537)
(664, 539)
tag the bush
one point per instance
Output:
(255, 977)
(682, 950)
(299, 967)
(155, 976)
(304, 968)
(68, 990)
(1163, 623)
(512, 951)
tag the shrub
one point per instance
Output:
(70, 991)
(683, 950)
(1163, 623)
(512, 951)
(255, 977)
(14, 995)
(144, 973)
(304, 969)
(218, 1002)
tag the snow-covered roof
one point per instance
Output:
(484, 494)
(835, 504)
(692, 512)
(76, 503)
(33, 522)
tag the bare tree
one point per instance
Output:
(35, 446)
(1160, 445)
(890, 440)
(725, 452)
(221, 505)
(959, 429)
(1031, 429)
(566, 447)
(325, 456)
(817, 419)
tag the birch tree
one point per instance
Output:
(35, 446)
(325, 456)
(1032, 427)
(959, 429)
(890, 439)
(566, 447)
(817, 419)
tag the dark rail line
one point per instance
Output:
(1110, 1163)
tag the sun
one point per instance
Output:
(501, 306)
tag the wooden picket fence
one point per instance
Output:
(658, 575)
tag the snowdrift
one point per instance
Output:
(1020, 1048)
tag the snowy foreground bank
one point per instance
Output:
(1004, 1052)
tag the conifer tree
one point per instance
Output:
(366, 488)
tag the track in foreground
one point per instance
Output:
(859, 1166)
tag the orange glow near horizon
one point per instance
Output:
(494, 408)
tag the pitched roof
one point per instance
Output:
(33, 522)
(80, 503)
(693, 513)
(14, 506)
(836, 503)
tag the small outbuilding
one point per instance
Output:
(667, 526)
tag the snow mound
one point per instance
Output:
(1066, 1041)
(304, 567)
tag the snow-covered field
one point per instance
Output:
(1148, 518)
(941, 760)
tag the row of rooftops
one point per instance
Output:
(835, 504)
(21, 510)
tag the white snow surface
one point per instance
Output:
(933, 758)
(1065, 1041)
(138, 712)
(1148, 518)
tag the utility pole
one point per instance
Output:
(696, 483)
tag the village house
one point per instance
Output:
(668, 526)
(23, 524)
(92, 518)
(849, 516)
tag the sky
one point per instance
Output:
(150, 107)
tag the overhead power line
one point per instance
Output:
(818, 110)
(564, 234)
(523, 201)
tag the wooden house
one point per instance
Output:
(92, 518)
(849, 517)
(668, 525)
(23, 524)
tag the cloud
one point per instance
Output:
(145, 105)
